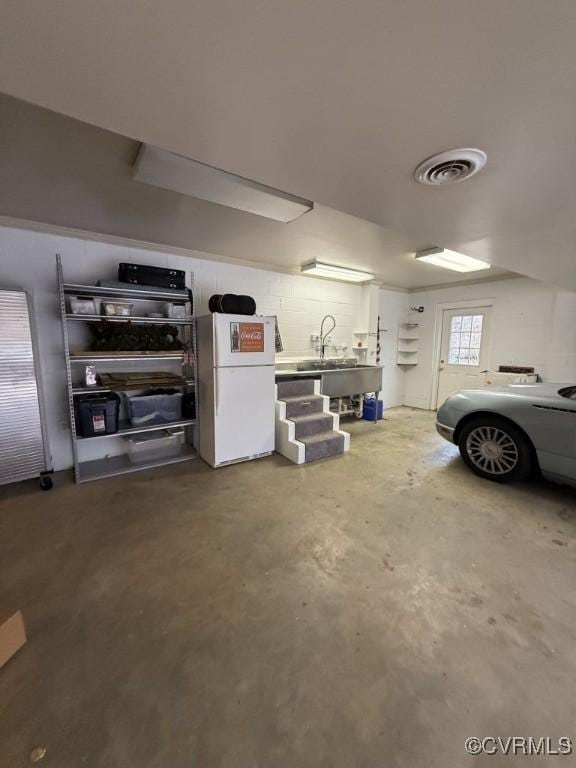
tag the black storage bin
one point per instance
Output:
(189, 405)
(161, 277)
(96, 414)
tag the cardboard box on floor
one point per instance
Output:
(12, 635)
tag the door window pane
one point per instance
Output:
(465, 340)
(475, 340)
(456, 324)
(477, 322)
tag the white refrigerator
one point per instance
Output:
(236, 387)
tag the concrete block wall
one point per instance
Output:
(561, 361)
(532, 324)
(393, 311)
(27, 261)
(300, 304)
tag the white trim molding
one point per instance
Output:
(439, 310)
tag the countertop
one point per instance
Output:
(293, 373)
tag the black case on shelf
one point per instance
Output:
(161, 277)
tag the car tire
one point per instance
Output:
(495, 449)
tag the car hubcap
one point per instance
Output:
(492, 450)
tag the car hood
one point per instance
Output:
(543, 388)
(547, 391)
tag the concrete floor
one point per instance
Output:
(367, 611)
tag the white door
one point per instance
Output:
(243, 412)
(243, 340)
(463, 350)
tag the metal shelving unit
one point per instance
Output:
(95, 357)
(109, 466)
(131, 319)
(96, 388)
(98, 469)
(126, 429)
(134, 294)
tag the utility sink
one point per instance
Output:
(325, 365)
(339, 378)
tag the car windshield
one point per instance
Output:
(568, 392)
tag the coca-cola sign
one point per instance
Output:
(247, 337)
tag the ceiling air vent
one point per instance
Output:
(449, 167)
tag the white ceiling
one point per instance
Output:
(336, 101)
(59, 170)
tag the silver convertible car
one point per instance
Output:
(506, 433)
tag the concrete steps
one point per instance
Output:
(306, 426)
(306, 430)
(323, 445)
(303, 405)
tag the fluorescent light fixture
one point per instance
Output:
(319, 269)
(458, 262)
(188, 177)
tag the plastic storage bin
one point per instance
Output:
(83, 306)
(96, 414)
(154, 408)
(189, 405)
(116, 308)
(155, 445)
(368, 409)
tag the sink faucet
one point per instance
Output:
(324, 335)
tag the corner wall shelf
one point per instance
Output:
(108, 466)
(408, 344)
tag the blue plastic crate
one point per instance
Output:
(368, 409)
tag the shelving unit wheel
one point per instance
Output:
(46, 483)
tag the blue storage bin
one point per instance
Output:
(368, 409)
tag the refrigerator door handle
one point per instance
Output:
(215, 362)
(216, 392)
(215, 342)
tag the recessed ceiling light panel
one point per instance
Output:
(189, 177)
(450, 167)
(457, 262)
(331, 271)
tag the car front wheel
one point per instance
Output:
(495, 449)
